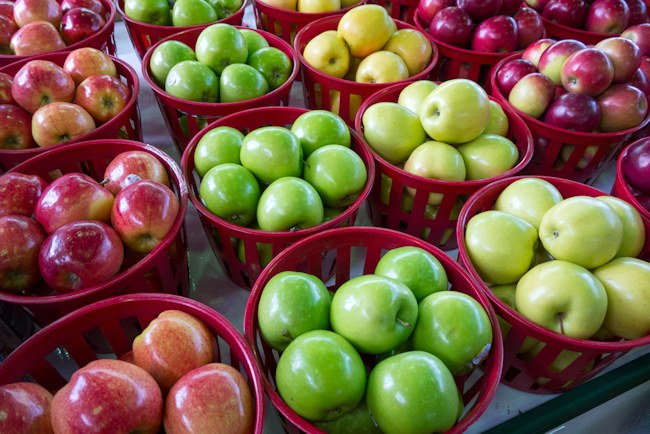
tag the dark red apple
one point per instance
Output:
(480, 10)
(570, 13)
(20, 243)
(640, 34)
(40, 82)
(15, 127)
(7, 30)
(19, 193)
(93, 5)
(142, 164)
(80, 23)
(645, 66)
(638, 12)
(427, 9)
(86, 61)
(511, 72)
(496, 34)
(509, 7)
(36, 38)
(103, 96)
(453, 26)
(587, 71)
(535, 50)
(25, 407)
(5, 89)
(607, 16)
(573, 111)
(538, 5)
(60, 122)
(622, 106)
(552, 59)
(530, 27)
(7, 9)
(624, 55)
(640, 81)
(30, 11)
(636, 166)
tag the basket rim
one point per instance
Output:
(176, 176)
(511, 315)
(622, 183)
(580, 32)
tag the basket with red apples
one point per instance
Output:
(65, 97)
(559, 261)
(473, 35)
(147, 22)
(31, 27)
(91, 220)
(582, 104)
(167, 362)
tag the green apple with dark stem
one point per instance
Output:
(193, 81)
(148, 11)
(254, 40)
(528, 198)
(488, 155)
(498, 123)
(231, 192)
(218, 146)
(289, 204)
(271, 153)
(220, 45)
(355, 422)
(317, 128)
(633, 227)
(225, 8)
(274, 65)
(412, 95)
(374, 313)
(241, 82)
(192, 13)
(166, 55)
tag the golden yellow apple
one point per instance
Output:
(366, 29)
(317, 6)
(382, 67)
(413, 47)
(328, 53)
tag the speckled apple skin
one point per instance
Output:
(25, 408)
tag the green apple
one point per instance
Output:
(271, 153)
(416, 268)
(254, 40)
(528, 198)
(193, 81)
(488, 155)
(455, 328)
(337, 173)
(498, 123)
(457, 111)
(241, 82)
(633, 227)
(289, 204)
(374, 313)
(226, 8)
(412, 95)
(192, 13)
(627, 282)
(582, 230)
(316, 128)
(543, 296)
(264, 251)
(392, 130)
(148, 11)
(201, 122)
(330, 213)
(412, 392)
(231, 192)
(506, 293)
(220, 45)
(218, 146)
(501, 246)
(355, 422)
(273, 64)
(292, 303)
(166, 55)
(321, 376)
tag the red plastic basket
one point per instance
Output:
(318, 86)
(144, 35)
(103, 40)
(197, 115)
(403, 10)
(51, 355)
(623, 190)
(559, 31)
(589, 153)
(356, 251)
(126, 125)
(162, 270)
(224, 236)
(386, 208)
(524, 374)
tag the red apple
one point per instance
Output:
(453, 26)
(5, 89)
(19, 193)
(86, 61)
(538, 5)
(139, 163)
(36, 38)
(480, 10)
(570, 13)
(535, 50)
(80, 254)
(552, 59)
(511, 72)
(20, 243)
(624, 55)
(427, 9)
(640, 81)
(60, 122)
(221, 385)
(103, 96)
(573, 111)
(607, 16)
(40, 82)
(7, 29)
(509, 7)
(110, 396)
(645, 65)
(638, 12)
(587, 71)
(7, 9)
(93, 5)
(73, 196)
(15, 128)
(496, 34)
(530, 27)
(172, 345)
(532, 94)
(25, 408)
(30, 11)
(640, 34)
(636, 166)
(79, 23)
(621, 106)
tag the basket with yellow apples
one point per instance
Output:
(526, 241)
(201, 75)
(90, 220)
(93, 95)
(59, 372)
(149, 22)
(364, 371)
(64, 25)
(346, 58)
(278, 186)
(451, 143)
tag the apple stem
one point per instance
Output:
(403, 323)
(104, 181)
(560, 317)
(287, 335)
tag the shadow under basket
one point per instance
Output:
(163, 270)
(51, 356)
(564, 362)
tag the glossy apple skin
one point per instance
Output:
(511, 72)
(41, 82)
(607, 16)
(5, 89)
(509, 7)
(7, 9)
(587, 71)
(15, 127)
(103, 96)
(497, 34)
(570, 13)
(80, 23)
(553, 58)
(480, 10)
(532, 94)
(622, 106)
(60, 122)
(36, 38)
(93, 5)
(640, 81)
(26, 408)
(453, 26)
(19, 193)
(636, 166)
(139, 163)
(640, 34)
(573, 111)
(530, 27)
(108, 396)
(7, 29)
(638, 12)
(533, 52)
(625, 56)
(86, 61)
(427, 9)
(29, 11)
(20, 243)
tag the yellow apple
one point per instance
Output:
(289, 5)
(316, 6)
(348, 3)
(412, 46)
(633, 227)
(412, 95)
(382, 67)
(353, 104)
(366, 29)
(488, 155)
(328, 53)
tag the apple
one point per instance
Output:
(79, 24)
(427, 9)
(254, 40)
(80, 254)
(19, 193)
(528, 198)
(530, 27)
(165, 56)
(569, 13)
(226, 8)
(624, 54)
(26, 408)
(192, 13)
(366, 29)
(639, 34)
(219, 145)
(155, 12)
(356, 421)
(240, 82)
(317, 128)
(318, 6)
(301, 206)
(140, 163)
(321, 376)
(607, 16)
(93, 5)
(622, 106)
(103, 96)
(582, 230)
(633, 228)
(381, 67)
(494, 238)
(292, 303)
(220, 45)
(498, 123)
(533, 52)
(541, 296)
(173, 344)
(412, 392)
(83, 62)
(15, 127)
(587, 71)
(274, 65)
(20, 243)
(29, 11)
(509, 7)
(36, 38)
(264, 250)
(60, 122)
(5, 89)
(497, 34)
(7, 8)
(453, 26)
(574, 111)
(552, 59)
(194, 81)
(511, 72)
(636, 166)
(7, 29)
(480, 10)
(488, 155)
(640, 81)
(532, 94)
(413, 94)
(231, 192)
(129, 401)
(413, 47)
(328, 53)
(40, 82)
(271, 153)
(638, 12)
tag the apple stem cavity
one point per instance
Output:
(403, 323)
(287, 335)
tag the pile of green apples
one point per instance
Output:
(380, 353)
(227, 65)
(180, 13)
